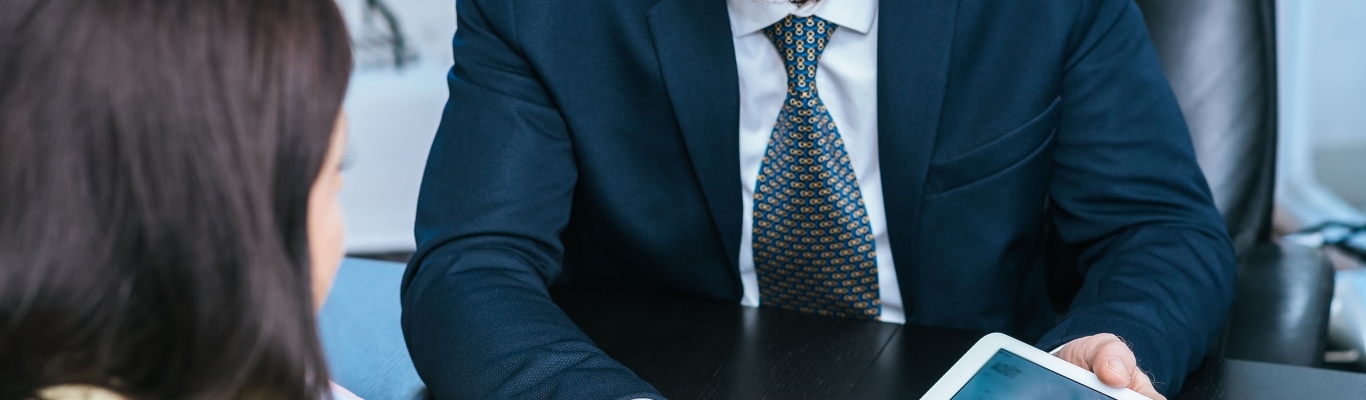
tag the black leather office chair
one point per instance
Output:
(1220, 57)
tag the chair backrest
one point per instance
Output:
(1220, 57)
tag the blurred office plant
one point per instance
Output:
(379, 41)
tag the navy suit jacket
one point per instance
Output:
(595, 143)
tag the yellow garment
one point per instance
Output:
(77, 392)
(86, 392)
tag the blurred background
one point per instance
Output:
(1321, 174)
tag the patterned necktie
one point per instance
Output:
(813, 245)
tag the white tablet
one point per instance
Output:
(1000, 367)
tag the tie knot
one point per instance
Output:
(800, 41)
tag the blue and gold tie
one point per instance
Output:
(813, 245)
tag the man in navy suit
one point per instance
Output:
(891, 160)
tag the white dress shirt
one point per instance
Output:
(846, 80)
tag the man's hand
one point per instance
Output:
(1112, 361)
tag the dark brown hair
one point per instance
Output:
(156, 158)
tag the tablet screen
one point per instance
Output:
(1008, 376)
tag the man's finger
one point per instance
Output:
(1114, 363)
(1144, 386)
(1079, 351)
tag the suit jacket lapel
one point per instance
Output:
(914, 41)
(697, 57)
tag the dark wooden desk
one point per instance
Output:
(696, 350)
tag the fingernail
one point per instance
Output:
(1118, 365)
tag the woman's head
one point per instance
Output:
(157, 160)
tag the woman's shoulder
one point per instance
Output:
(77, 392)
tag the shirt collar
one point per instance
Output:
(749, 16)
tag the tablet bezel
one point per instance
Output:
(977, 357)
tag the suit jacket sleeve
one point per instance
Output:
(1127, 191)
(495, 196)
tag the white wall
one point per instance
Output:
(1335, 71)
(1322, 53)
